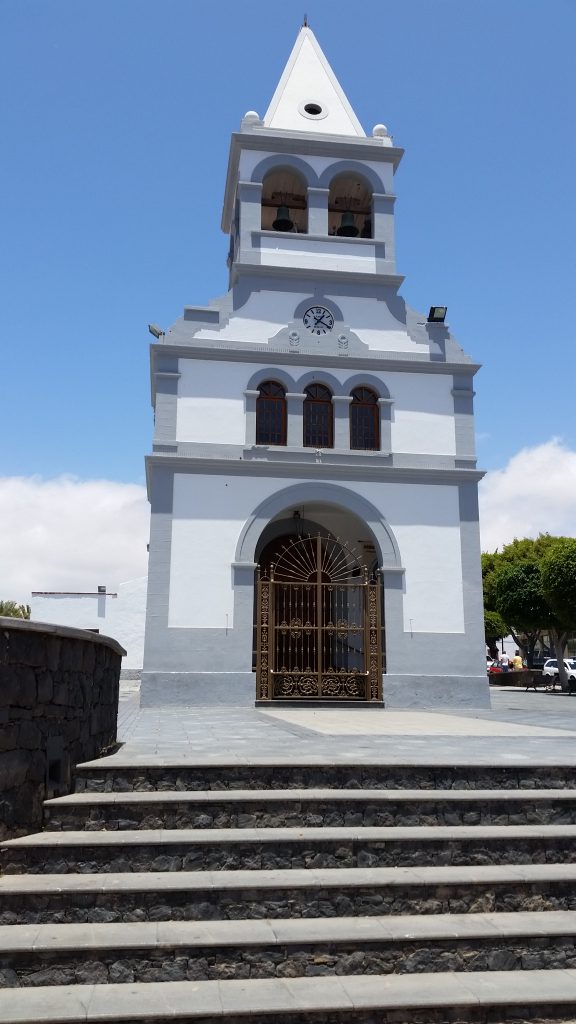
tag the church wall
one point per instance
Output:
(201, 590)
(205, 533)
(211, 406)
(264, 313)
(289, 252)
(198, 650)
(423, 413)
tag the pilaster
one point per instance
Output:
(385, 406)
(318, 211)
(251, 398)
(250, 202)
(341, 405)
(165, 406)
(463, 395)
(295, 418)
(383, 225)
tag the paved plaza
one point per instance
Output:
(534, 726)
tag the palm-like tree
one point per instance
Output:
(13, 610)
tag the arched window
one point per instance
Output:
(284, 201)
(364, 420)
(350, 207)
(271, 413)
(318, 418)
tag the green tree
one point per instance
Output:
(521, 603)
(13, 610)
(525, 631)
(494, 630)
(558, 570)
(532, 585)
(559, 579)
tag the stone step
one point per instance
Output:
(297, 807)
(496, 996)
(255, 849)
(155, 773)
(297, 893)
(68, 954)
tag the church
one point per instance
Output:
(313, 481)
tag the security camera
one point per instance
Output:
(155, 330)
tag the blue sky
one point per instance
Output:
(115, 121)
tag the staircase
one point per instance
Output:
(372, 894)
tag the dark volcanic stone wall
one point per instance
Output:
(58, 706)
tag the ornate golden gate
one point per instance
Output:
(318, 625)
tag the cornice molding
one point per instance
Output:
(247, 352)
(282, 140)
(247, 264)
(310, 470)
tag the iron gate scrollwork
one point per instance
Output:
(318, 625)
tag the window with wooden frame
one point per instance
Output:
(318, 417)
(271, 413)
(364, 420)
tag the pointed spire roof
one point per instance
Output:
(309, 82)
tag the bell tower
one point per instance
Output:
(322, 178)
(310, 418)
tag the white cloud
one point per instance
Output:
(70, 534)
(534, 493)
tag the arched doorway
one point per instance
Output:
(318, 622)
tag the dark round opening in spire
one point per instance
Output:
(313, 109)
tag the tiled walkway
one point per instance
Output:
(535, 726)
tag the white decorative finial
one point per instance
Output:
(251, 115)
(380, 131)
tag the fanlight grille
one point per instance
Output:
(308, 559)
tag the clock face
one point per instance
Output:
(318, 320)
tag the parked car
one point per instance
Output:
(550, 669)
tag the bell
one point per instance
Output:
(347, 227)
(367, 229)
(283, 222)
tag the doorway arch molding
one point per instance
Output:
(300, 494)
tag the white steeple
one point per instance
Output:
(309, 97)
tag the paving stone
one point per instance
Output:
(211, 1000)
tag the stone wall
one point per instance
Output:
(58, 706)
(529, 678)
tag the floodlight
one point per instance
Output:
(437, 314)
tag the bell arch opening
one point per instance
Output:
(284, 201)
(350, 206)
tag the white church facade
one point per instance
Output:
(313, 481)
